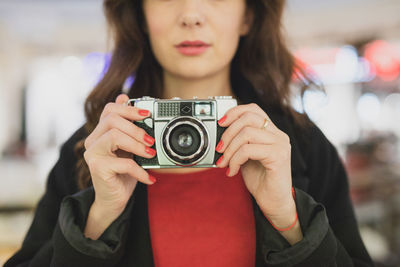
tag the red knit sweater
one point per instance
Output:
(201, 219)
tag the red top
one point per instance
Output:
(201, 219)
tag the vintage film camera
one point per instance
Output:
(186, 131)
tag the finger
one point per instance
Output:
(111, 166)
(247, 119)
(232, 114)
(112, 121)
(247, 135)
(114, 139)
(250, 151)
(122, 99)
(128, 112)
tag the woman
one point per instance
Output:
(279, 196)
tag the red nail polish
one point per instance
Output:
(150, 151)
(152, 179)
(227, 171)
(143, 112)
(148, 139)
(222, 119)
(220, 159)
(219, 146)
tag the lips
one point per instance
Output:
(192, 48)
(196, 43)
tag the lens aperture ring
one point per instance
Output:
(203, 142)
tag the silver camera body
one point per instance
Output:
(186, 131)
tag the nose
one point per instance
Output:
(191, 20)
(191, 15)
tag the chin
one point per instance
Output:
(191, 72)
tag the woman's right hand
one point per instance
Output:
(109, 155)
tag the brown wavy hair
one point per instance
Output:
(262, 65)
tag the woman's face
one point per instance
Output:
(218, 23)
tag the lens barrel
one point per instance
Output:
(185, 140)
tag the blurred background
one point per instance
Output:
(52, 53)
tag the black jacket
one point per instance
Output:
(331, 236)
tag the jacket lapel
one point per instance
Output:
(139, 252)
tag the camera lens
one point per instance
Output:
(185, 140)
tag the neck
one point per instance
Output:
(186, 88)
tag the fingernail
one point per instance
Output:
(220, 159)
(143, 112)
(227, 171)
(148, 139)
(150, 151)
(219, 146)
(222, 119)
(152, 179)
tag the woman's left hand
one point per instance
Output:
(262, 155)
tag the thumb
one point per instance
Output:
(121, 99)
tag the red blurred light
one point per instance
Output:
(384, 59)
(300, 68)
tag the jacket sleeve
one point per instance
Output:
(330, 232)
(55, 236)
